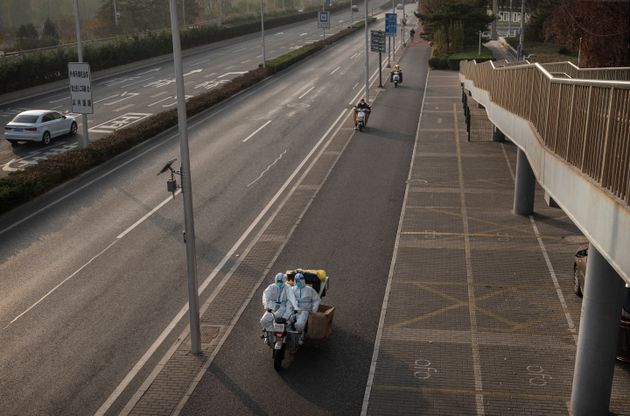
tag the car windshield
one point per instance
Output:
(25, 118)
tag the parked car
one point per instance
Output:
(39, 126)
(355, 8)
(579, 273)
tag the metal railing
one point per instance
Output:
(584, 121)
(608, 74)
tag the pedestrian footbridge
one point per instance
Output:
(572, 128)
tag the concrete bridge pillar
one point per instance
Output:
(525, 185)
(597, 339)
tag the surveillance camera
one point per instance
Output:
(167, 166)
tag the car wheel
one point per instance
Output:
(13, 142)
(46, 138)
(73, 128)
(576, 282)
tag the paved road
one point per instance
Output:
(94, 273)
(349, 230)
(128, 97)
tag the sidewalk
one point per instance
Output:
(479, 317)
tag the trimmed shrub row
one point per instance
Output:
(22, 186)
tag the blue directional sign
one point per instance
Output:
(323, 19)
(391, 20)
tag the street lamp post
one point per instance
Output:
(193, 295)
(521, 41)
(115, 14)
(262, 31)
(367, 57)
(77, 20)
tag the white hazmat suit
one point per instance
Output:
(275, 298)
(304, 300)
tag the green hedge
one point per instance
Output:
(22, 186)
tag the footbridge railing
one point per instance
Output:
(584, 119)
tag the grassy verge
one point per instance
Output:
(452, 61)
(545, 52)
(22, 186)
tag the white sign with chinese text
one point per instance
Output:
(80, 87)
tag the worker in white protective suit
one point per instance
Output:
(304, 300)
(275, 302)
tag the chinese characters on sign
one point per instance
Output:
(377, 41)
(80, 87)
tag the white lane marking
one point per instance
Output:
(106, 98)
(158, 94)
(147, 215)
(355, 55)
(355, 86)
(59, 100)
(210, 75)
(124, 96)
(238, 50)
(472, 303)
(227, 74)
(259, 56)
(554, 278)
(186, 97)
(246, 61)
(256, 131)
(201, 61)
(279, 34)
(390, 275)
(267, 169)
(371, 80)
(149, 71)
(552, 273)
(227, 68)
(307, 91)
(124, 107)
(194, 71)
(304, 34)
(56, 107)
(60, 284)
(136, 82)
(143, 360)
(335, 70)
(162, 100)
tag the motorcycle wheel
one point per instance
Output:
(278, 356)
(360, 127)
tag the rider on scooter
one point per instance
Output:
(363, 105)
(400, 74)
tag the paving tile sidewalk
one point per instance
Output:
(480, 318)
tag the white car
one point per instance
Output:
(400, 6)
(39, 126)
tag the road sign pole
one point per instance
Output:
(367, 56)
(380, 70)
(262, 31)
(84, 140)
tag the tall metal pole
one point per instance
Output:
(184, 12)
(351, 15)
(84, 140)
(367, 57)
(115, 14)
(521, 42)
(262, 31)
(510, 20)
(193, 295)
(394, 37)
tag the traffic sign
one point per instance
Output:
(391, 20)
(377, 41)
(80, 87)
(323, 19)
